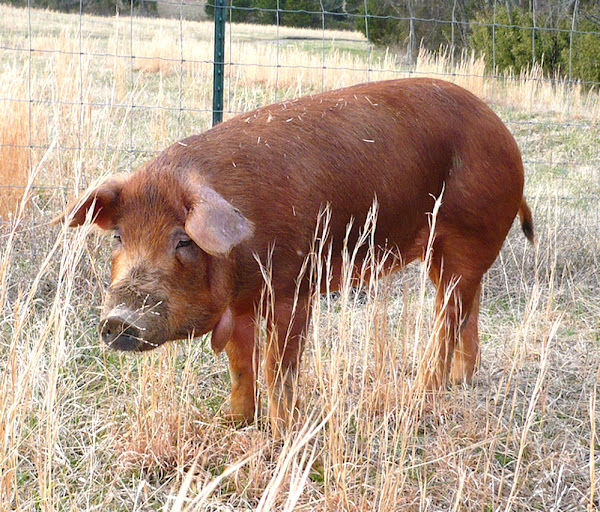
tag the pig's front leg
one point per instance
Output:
(284, 350)
(242, 369)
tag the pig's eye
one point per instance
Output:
(184, 243)
(117, 238)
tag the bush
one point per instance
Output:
(389, 22)
(306, 13)
(585, 60)
(380, 26)
(512, 41)
(241, 10)
(295, 13)
(100, 7)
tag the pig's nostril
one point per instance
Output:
(119, 334)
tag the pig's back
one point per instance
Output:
(399, 141)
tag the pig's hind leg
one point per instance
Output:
(457, 278)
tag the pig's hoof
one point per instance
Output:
(238, 417)
(431, 382)
(462, 371)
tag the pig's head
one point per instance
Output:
(172, 264)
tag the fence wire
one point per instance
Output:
(104, 93)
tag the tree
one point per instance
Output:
(297, 13)
(302, 13)
(101, 7)
(517, 37)
(241, 11)
(414, 23)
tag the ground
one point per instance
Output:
(85, 428)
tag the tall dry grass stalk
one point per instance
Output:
(289, 71)
(35, 353)
(85, 428)
(356, 446)
(14, 140)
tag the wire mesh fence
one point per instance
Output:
(94, 87)
(82, 95)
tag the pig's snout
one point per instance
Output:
(118, 331)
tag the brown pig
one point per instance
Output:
(192, 224)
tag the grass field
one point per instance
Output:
(83, 428)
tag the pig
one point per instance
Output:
(193, 226)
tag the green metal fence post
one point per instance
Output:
(219, 62)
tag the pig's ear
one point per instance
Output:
(213, 223)
(99, 201)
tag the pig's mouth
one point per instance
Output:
(124, 337)
(124, 329)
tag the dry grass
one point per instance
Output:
(14, 142)
(83, 428)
